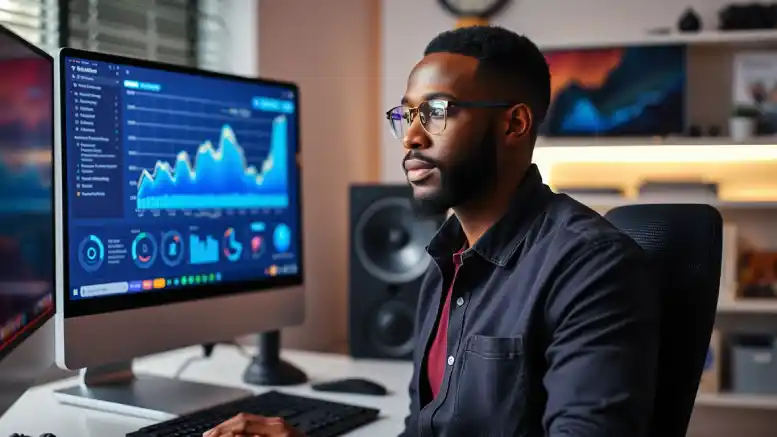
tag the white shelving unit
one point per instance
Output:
(601, 203)
(731, 400)
(710, 59)
(707, 37)
(650, 142)
(753, 306)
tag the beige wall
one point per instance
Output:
(331, 49)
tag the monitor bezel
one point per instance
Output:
(36, 323)
(107, 304)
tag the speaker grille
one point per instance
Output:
(392, 329)
(390, 242)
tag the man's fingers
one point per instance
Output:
(248, 425)
(237, 425)
(265, 428)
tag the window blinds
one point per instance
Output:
(185, 32)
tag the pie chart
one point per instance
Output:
(282, 238)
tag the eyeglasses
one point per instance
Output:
(433, 114)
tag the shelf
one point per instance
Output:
(596, 202)
(750, 306)
(707, 37)
(668, 141)
(733, 400)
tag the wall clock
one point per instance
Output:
(473, 12)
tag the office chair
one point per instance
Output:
(685, 242)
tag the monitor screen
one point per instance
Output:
(178, 184)
(26, 237)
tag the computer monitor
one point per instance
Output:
(178, 221)
(26, 224)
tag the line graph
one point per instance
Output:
(219, 177)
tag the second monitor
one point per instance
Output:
(178, 217)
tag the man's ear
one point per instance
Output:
(520, 121)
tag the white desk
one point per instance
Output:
(38, 411)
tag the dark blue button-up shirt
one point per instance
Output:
(553, 327)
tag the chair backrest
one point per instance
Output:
(685, 242)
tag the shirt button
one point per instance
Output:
(460, 301)
(450, 360)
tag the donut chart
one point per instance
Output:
(144, 250)
(91, 253)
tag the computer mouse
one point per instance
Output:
(352, 386)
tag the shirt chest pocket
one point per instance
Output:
(490, 388)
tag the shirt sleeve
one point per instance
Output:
(603, 343)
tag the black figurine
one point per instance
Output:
(689, 21)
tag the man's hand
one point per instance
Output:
(248, 425)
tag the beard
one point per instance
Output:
(467, 177)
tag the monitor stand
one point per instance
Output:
(267, 367)
(117, 389)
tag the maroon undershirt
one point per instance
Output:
(437, 358)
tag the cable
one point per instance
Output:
(207, 352)
(242, 350)
(186, 365)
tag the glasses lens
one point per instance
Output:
(432, 115)
(398, 119)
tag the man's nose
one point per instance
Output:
(416, 137)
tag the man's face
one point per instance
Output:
(451, 167)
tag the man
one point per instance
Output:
(536, 317)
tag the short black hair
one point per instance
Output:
(512, 59)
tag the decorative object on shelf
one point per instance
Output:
(754, 363)
(694, 131)
(752, 16)
(592, 195)
(743, 122)
(689, 21)
(666, 191)
(757, 276)
(591, 191)
(473, 12)
(697, 130)
(660, 31)
(733, 244)
(754, 84)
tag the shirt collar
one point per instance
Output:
(502, 240)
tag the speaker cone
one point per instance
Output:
(392, 329)
(390, 242)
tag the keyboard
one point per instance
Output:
(313, 417)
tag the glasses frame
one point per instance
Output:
(447, 104)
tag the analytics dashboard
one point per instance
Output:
(26, 234)
(176, 180)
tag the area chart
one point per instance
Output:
(219, 178)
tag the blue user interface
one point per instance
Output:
(176, 180)
(26, 234)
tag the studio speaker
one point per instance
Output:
(388, 260)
